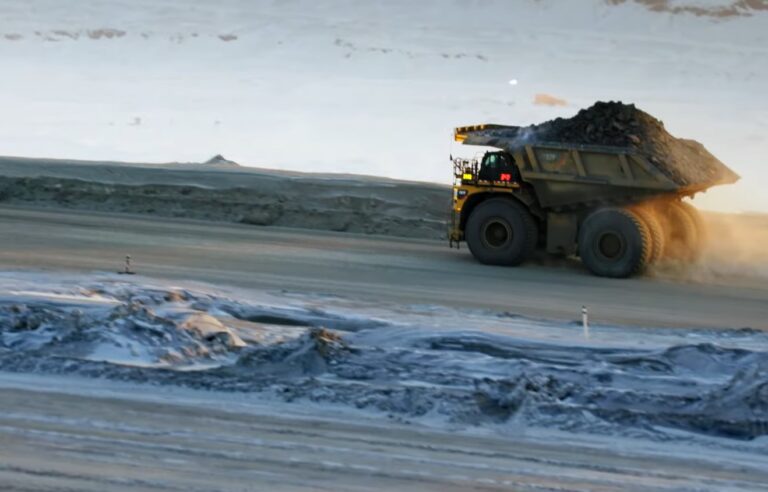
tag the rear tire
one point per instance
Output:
(656, 231)
(697, 245)
(614, 242)
(501, 231)
(684, 232)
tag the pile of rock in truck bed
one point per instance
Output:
(615, 124)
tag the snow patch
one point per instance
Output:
(409, 363)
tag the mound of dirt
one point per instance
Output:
(611, 123)
(129, 333)
(220, 161)
(309, 355)
(615, 124)
(220, 190)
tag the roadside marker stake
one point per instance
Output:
(585, 321)
(127, 269)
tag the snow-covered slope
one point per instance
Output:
(368, 87)
(427, 363)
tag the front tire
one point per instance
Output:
(501, 232)
(614, 242)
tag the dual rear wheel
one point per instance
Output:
(615, 242)
(685, 233)
(620, 242)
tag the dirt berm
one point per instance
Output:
(231, 194)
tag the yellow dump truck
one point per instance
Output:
(612, 206)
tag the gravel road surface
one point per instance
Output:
(133, 439)
(368, 268)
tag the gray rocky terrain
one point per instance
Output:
(219, 190)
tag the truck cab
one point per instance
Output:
(498, 166)
(495, 173)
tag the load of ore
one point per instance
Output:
(615, 124)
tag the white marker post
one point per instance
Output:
(127, 269)
(585, 321)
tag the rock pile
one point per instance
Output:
(686, 162)
(616, 124)
(220, 161)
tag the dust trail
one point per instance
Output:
(735, 247)
(737, 243)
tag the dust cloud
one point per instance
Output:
(734, 246)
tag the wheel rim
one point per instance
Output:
(496, 233)
(611, 245)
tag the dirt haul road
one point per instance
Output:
(134, 440)
(386, 270)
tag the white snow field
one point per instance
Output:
(372, 87)
(469, 367)
(125, 383)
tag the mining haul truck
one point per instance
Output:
(611, 206)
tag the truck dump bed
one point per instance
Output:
(608, 151)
